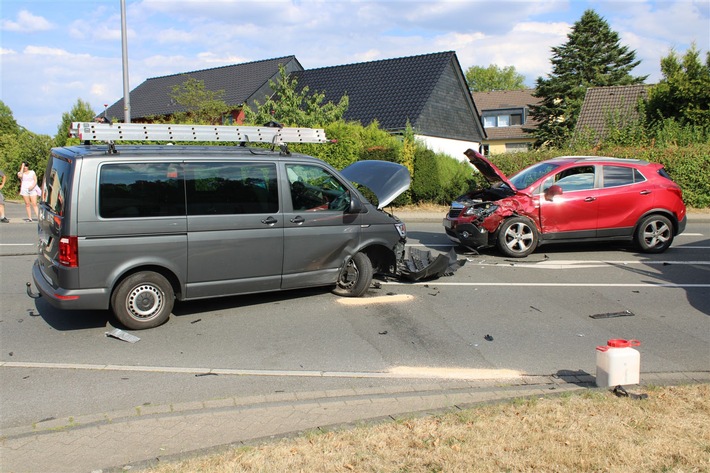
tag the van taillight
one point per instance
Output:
(69, 251)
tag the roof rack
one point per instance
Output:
(274, 135)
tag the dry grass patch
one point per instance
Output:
(593, 431)
(423, 207)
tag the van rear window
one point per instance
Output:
(141, 190)
(56, 183)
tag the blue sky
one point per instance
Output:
(54, 52)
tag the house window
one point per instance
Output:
(502, 119)
(516, 147)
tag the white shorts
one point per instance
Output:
(28, 192)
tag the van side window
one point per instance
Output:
(219, 188)
(314, 189)
(141, 190)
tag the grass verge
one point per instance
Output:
(588, 431)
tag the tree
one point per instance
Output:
(80, 112)
(683, 93)
(591, 57)
(202, 105)
(7, 120)
(293, 107)
(485, 79)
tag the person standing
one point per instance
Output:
(29, 190)
(3, 219)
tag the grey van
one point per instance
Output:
(133, 228)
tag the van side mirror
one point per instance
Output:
(355, 205)
(552, 192)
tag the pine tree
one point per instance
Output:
(591, 57)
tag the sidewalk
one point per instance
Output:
(116, 441)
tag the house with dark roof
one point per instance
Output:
(241, 83)
(429, 91)
(504, 114)
(604, 106)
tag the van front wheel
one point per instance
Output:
(143, 300)
(355, 278)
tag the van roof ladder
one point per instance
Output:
(276, 136)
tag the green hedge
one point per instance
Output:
(436, 178)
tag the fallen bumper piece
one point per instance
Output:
(419, 266)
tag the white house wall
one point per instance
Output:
(454, 148)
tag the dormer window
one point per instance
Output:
(497, 119)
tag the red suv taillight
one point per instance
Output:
(69, 251)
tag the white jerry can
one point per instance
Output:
(617, 363)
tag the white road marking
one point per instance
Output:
(399, 372)
(351, 301)
(574, 264)
(545, 284)
(18, 244)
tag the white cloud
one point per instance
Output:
(45, 51)
(49, 70)
(26, 23)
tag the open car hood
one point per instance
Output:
(492, 174)
(385, 179)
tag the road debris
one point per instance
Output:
(420, 266)
(121, 335)
(489, 338)
(609, 315)
(619, 391)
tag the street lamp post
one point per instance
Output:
(124, 47)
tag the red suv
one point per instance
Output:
(568, 199)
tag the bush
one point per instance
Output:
(438, 178)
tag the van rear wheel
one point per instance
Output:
(355, 278)
(143, 300)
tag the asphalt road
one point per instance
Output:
(493, 316)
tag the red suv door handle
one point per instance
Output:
(645, 192)
(590, 199)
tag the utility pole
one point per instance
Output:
(124, 45)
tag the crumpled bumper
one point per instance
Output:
(419, 265)
(467, 234)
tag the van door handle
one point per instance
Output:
(298, 219)
(269, 221)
